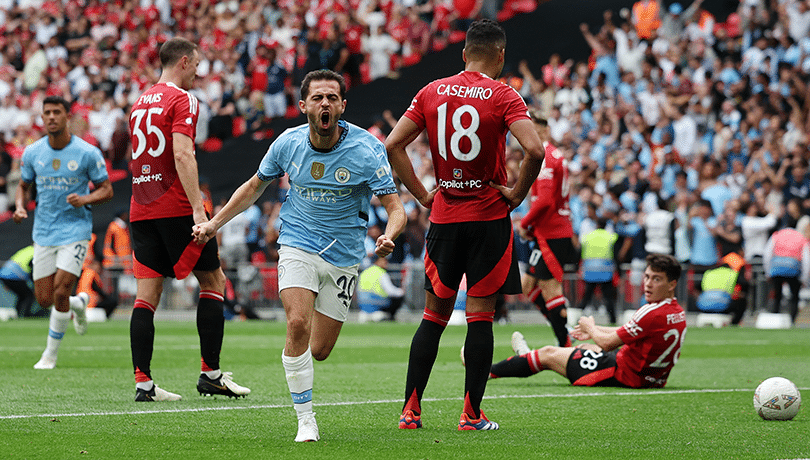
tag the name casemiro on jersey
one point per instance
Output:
(473, 92)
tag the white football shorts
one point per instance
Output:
(333, 285)
(69, 257)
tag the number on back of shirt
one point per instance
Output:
(143, 128)
(459, 132)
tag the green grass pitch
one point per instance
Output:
(85, 407)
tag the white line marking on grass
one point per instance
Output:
(633, 393)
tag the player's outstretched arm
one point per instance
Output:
(242, 198)
(396, 223)
(401, 136)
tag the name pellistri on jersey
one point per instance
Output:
(472, 92)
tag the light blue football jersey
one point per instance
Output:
(56, 174)
(327, 206)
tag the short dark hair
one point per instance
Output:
(58, 100)
(485, 37)
(665, 263)
(322, 74)
(174, 49)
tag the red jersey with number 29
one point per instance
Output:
(652, 344)
(157, 192)
(549, 215)
(467, 117)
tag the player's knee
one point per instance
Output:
(547, 353)
(297, 327)
(322, 353)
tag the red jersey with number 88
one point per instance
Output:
(467, 117)
(156, 189)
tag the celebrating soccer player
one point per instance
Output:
(333, 168)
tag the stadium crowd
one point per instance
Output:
(675, 116)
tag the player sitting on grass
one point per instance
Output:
(639, 354)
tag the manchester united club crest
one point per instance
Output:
(317, 170)
(56, 163)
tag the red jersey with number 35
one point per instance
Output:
(156, 189)
(549, 215)
(652, 344)
(467, 117)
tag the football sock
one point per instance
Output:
(142, 339)
(424, 348)
(211, 328)
(514, 366)
(478, 348)
(558, 317)
(75, 302)
(300, 373)
(213, 375)
(56, 330)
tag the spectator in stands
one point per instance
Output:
(275, 96)
(380, 47)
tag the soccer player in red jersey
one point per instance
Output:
(166, 203)
(639, 354)
(548, 223)
(466, 117)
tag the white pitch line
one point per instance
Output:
(634, 393)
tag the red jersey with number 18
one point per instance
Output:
(652, 344)
(157, 192)
(467, 117)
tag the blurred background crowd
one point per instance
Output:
(677, 115)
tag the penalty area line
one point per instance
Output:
(633, 393)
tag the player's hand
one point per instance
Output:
(19, 215)
(200, 217)
(427, 200)
(75, 200)
(204, 232)
(509, 194)
(384, 246)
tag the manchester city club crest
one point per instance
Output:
(342, 175)
(73, 165)
(56, 163)
(317, 170)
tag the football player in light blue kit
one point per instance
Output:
(333, 169)
(62, 166)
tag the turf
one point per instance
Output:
(85, 408)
